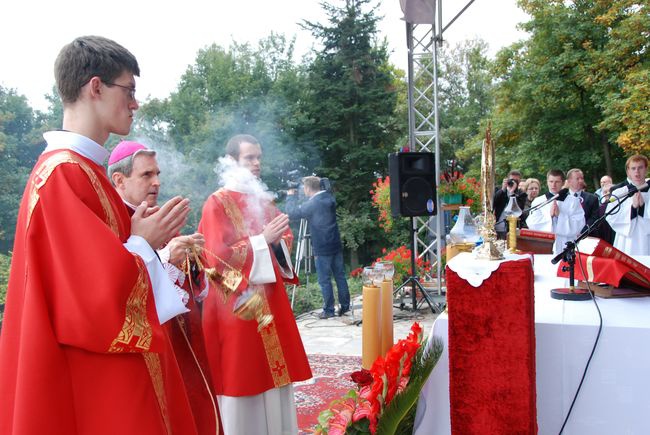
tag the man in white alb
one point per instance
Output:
(631, 222)
(567, 216)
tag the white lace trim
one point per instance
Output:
(474, 270)
(176, 276)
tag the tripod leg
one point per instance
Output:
(425, 295)
(401, 294)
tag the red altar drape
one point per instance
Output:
(492, 352)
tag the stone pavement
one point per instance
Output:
(342, 335)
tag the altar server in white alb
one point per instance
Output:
(632, 221)
(569, 214)
(540, 218)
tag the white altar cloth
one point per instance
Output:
(615, 394)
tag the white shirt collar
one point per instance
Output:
(320, 191)
(128, 204)
(573, 192)
(629, 180)
(67, 140)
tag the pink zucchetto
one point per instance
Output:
(125, 149)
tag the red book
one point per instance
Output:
(525, 232)
(601, 262)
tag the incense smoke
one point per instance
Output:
(234, 177)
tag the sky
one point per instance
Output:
(165, 36)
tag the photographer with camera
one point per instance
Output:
(320, 212)
(502, 196)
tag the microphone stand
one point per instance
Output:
(572, 293)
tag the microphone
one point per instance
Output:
(560, 196)
(642, 188)
(631, 190)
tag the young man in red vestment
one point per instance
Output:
(253, 362)
(133, 170)
(82, 348)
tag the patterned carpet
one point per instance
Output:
(331, 380)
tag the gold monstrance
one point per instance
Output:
(491, 249)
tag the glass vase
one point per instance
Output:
(465, 230)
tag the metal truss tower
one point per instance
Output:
(423, 38)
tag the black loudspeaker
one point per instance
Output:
(412, 184)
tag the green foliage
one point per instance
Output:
(618, 71)
(465, 94)
(399, 415)
(574, 94)
(578, 83)
(308, 296)
(226, 92)
(350, 103)
(5, 265)
(19, 149)
(354, 228)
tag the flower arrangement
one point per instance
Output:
(401, 259)
(381, 201)
(454, 182)
(384, 399)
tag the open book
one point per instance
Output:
(599, 262)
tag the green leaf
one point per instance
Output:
(393, 419)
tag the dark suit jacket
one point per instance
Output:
(320, 212)
(501, 198)
(590, 207)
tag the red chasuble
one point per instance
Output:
(243, 361)
(81, 350)
(186, 335)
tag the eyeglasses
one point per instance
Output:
(128, 88)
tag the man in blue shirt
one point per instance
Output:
(320, 212)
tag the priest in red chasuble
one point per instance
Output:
(254, 348)
(83, 347)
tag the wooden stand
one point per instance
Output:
(608, 291)
(534, 244)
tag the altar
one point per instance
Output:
(614, 395)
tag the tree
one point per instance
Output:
(19, 149)
(465, 95)
(225, 92)
(350, 104)
(573, 87)
(619, 71)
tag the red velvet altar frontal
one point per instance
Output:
(492, 352)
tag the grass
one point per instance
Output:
(308, 296)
